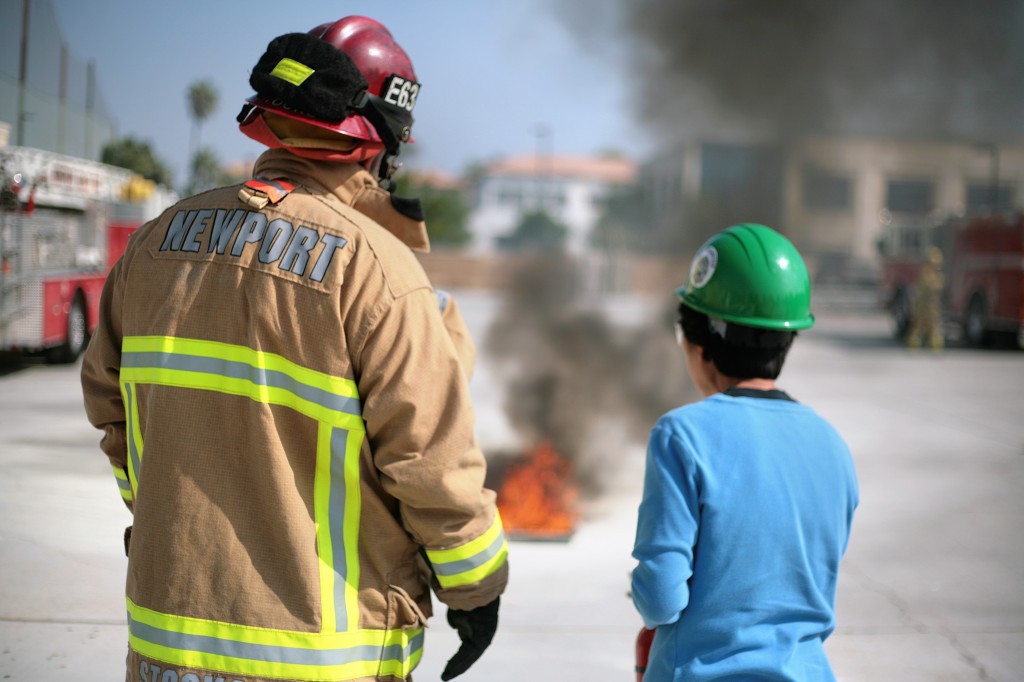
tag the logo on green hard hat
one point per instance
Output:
(703, 267)
(750, 274)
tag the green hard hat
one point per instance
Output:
(751, 275)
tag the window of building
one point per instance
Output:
(982, 195)
(528, 194)
(726, 167)
(510, 194)
(826, 190)
(554, 195)
(742, 181)
(910, 196)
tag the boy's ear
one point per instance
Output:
(704, 354)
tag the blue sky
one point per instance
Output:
(492, 71)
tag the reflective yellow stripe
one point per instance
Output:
(337, 506)
(227, 351)
(292, 71)
(479, 573)
(133, 435)
(122, 483)
(340, 650)
(353, 513)
(470, 548)
(262, 652)
(473, 561)
(324, 541)
(192, 363)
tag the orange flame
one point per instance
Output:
(537, 497)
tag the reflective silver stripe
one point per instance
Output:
(241, 370)
(123, 484)
(336, 519)
(130, 428)
(271, 653)
(478, 559)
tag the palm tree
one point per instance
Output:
(202, 100)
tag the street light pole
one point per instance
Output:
(23, 72)
(543, 160)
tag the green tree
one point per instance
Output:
(444, 208)
(202, 100)
(207, 172)
(536, 231)
(137, 156)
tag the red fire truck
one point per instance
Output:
(983, 266)
(64, 221)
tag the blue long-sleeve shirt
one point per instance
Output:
(746, 512)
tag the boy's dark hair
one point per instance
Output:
(737, 351)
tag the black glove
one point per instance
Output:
(476, 630)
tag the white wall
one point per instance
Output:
(493, 217)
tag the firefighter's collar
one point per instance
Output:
(354, 186)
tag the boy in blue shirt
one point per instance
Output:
(748, 495)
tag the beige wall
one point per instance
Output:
(623, 274)
(870, 164)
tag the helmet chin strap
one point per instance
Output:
(383, 117)
(386, 166)
(376, 165)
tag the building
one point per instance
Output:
(833, 196)
(568, 188)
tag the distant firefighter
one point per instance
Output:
(926, 316)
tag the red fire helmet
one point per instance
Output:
(388, 72)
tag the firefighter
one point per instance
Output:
(286, 413)
(748, 494)
(926, 316)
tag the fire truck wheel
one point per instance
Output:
(77, 334)
(974, 323)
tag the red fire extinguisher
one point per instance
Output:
(643, 651)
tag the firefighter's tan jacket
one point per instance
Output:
(290, 423)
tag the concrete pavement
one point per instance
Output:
(932, 587)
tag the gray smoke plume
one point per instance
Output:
(936, 68)
(576, 378)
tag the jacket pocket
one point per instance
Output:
(403, 611)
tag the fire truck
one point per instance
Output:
(983, 268)
(64, 222)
